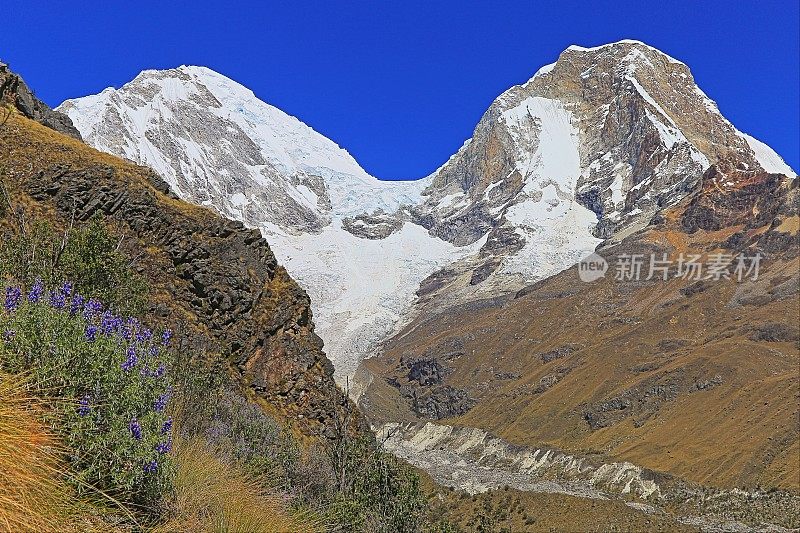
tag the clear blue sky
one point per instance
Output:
(402, 84)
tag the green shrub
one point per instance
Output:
(210, 405)
(373, 490)
(106, 377)
(88, 255)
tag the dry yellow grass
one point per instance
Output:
(213, 495)
(31, 498)
(34, 494)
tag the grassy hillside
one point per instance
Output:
(174, 361)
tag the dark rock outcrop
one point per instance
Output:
(775, 332)
(214, 279)
(421, 381)
(15, 92)
(378, 225)
(441, 402)
(732, 197)
(558, 353)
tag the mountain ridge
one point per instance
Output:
(589, 147)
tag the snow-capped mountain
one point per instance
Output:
(591, 146)
(343, 234)
(602, 138)
(219, 145)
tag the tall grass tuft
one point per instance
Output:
(31, 497)
(34, 492)
(213, 494)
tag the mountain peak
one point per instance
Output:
(621, 44)
(591, 147)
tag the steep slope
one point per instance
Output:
(210, 277)
(692, 376)
(590, 148)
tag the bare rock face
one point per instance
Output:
(730, 198)
(14, 91)
(622, 128)
(378, 225)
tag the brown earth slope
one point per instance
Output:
(696, 378)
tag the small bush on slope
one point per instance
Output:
(213, 494)
(372, 489)
(88, 255)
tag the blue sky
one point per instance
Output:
(401, 85)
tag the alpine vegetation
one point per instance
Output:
(106, 375)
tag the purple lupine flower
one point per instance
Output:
(76, 304)
(153, 351)
(91, 333)
(158, 372)
(57, 299)
(83, 407)
(13, 295)
(132, 359)
(136, 429)
(92, 308)
(144, 335)
(150, 467)
(9, 335)
(161, 403)
(164, 447)
(167, 426)
(109, 323)
(166, 336)
(36, 291)
(66, 289)
(129, 328)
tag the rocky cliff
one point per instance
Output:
(211, 277)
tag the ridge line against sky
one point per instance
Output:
(402, 87)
